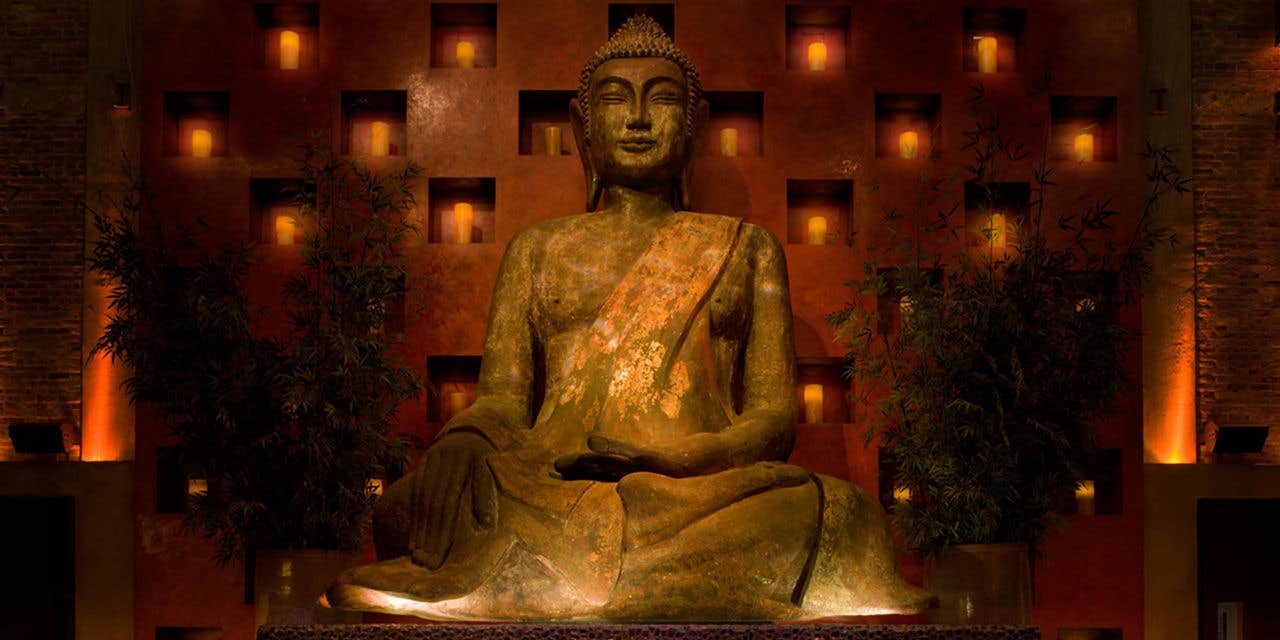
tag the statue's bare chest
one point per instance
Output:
(574, 277)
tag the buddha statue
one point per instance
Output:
(652, 485)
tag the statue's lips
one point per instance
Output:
(637, 145)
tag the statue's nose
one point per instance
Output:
(639, 117)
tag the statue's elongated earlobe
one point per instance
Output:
(579, 122)
(698, 132)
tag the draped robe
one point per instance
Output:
(764, 541)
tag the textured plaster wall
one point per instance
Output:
(1235, 77)
(43, 68)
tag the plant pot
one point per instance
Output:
(288, 583)
(980, 584)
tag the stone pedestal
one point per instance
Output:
(509, 631)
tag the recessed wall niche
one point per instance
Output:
(1083, 128)
(461, 210)
(818, 211)
(464, 35)
(892, 305)
(1102, 489)
(736, 125)
(993, 39)
(993, 213)
(273, 211)
(286, 37)
(544, 123)
(662, 13)
(195, 124)
(373, 123)
(907, 125)
(817, 37)
(822, 392)
(454, 379)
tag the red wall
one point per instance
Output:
(463, 123)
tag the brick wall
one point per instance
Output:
(43, 66)
(1235, 76)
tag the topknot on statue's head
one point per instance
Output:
(641, 37)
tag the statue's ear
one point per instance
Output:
(701, 115)
(579, 122)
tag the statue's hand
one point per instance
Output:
(698, 454)
(452, 481)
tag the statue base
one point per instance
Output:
(519, 631)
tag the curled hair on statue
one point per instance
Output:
(638, 37)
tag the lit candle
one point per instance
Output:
(817, 230)
(285, 228)
(1085, 498)
(374, 487)
(379, 138)
(466, 54)
(901, 494)
(999, 231)
(908, 144)
(457, 402)
(197, 486)
(905, 307)
(1084, 147)
(289, 49)
(817, 56)
(987, 48)
(728, 142)
(1085, 305)
(463, 216)
(552, 136)
(813, 404)
(201, 143)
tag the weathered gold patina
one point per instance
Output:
(652, 484)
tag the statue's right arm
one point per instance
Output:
(453, 480)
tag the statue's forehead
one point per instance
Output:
(637, 71)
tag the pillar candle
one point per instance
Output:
(379, 138)
(375, 486)
(1084, 147)
(552, 136)
(466, 54)
(905, 307)
(1085, 498)
(463, 216)
(813, 404)
(201, 143)
(728, 142)
(817, 56)
(901, 494)
(457, 402)
(197, 486)
(817, 230)
(988, 46)
(908, 144)
(289, 49)
(998, 229)
(285, 229)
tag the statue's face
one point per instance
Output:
(637, 124)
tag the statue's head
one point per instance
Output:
(639, 114)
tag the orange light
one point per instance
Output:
(817, 230)
(908, 144)
(463, 220)
(1085, 498)
(988, 47)
(290, 48)
(379, 139)
(813, 404)
(1171, 438)
(817, 56)
(1084, 147)
(286, 229)
(201, 143)
(107, 415)
(998, 231)
(466, 54)
(901, 494)
(728, 142)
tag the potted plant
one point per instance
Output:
(287, 433)
(989, 365)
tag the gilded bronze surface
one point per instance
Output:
(652, 484)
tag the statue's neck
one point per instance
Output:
(638, 204)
